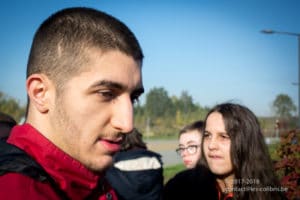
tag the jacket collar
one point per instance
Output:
(70, 174)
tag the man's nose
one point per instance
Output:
(122, 118)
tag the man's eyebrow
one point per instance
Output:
(117, 85)
(109, 84)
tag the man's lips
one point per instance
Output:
(112, 146)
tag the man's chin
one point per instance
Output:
(102, 164)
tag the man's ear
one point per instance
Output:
(39, 89)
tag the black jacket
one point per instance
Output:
(137, 175)
(197, 183)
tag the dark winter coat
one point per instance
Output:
(197, 183)
(137, 175)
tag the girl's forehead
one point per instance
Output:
(215, 121)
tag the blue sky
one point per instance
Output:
(212, 49)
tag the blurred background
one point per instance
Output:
(197, 53)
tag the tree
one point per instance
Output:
(284, 106)
(186, 102)
(164, 115)
(184, 107)
(159, 104)
(11, 107)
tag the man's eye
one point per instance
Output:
(108, 95)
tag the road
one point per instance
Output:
(167, 149)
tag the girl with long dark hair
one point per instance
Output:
(235, 152)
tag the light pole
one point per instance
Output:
(268, 31)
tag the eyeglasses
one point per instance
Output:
(192, 149)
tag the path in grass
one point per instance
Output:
(165, 147)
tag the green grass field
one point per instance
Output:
(170, 171)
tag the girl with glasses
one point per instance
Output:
(190, 143)
(196, 182)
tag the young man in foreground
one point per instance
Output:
(83, 76)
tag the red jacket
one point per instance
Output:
(71, 176)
